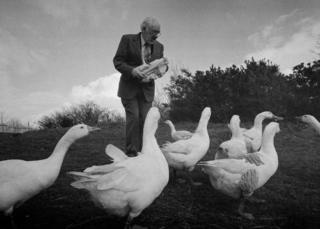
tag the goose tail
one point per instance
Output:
(205, 163)
(211, 169)
(82, 180)
(101, 169)
(79, 175)
(166, 147)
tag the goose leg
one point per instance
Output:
(179, 180)
(9, 213)
(191, 196)
(192, 182)
(175, 177)
(256, 200)
(128, 222)
(13, 224)
(242, 213)
(248, 183)
(174, 174)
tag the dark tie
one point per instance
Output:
(147, 53)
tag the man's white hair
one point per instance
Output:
(149, 22)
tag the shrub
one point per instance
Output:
(88, 113)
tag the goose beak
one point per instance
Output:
(299, 119)
(277, 118)
(93, 128)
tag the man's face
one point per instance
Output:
(150, 34)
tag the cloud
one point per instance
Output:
(102, 91)
(274, 34)
(286, 17)
(17, 59)
(286, 42)
(33, 106)
(74, 12)
(17, 64)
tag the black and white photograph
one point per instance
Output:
(159, 114)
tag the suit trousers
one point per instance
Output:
(136, 111)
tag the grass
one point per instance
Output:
(292, 194)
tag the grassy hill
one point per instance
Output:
(292, 194)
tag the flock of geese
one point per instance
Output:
(128, 185)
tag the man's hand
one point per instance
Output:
(253, 158)
(136, 72)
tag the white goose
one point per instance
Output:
(310, 120)
(236, 146)
(129, 184)
(180, 134)
(184, 154)
(237, 177)
(20, 180)
(253, 135)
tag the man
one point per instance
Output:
(137, 96)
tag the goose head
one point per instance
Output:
(151, 122)
(206, 113)
(271, 129)
(274, 127)
(79, 131)
(306, 118)
(270, 115)
(234, 122)
(310, 120)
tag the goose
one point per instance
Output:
(178, 135)
(184, 154)
(238, 178)
(310, 120)
(128, 185)
(236, 146)
(253, 135)
(20, 180)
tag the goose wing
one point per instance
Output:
(181, 146)
(115, 153)
(235, 166)
(128, 175)
(182, 135)
(134, 174)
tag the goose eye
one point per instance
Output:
(81, 127)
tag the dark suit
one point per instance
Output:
(136, 96)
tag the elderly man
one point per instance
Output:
(137, 96)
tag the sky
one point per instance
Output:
(58, 53)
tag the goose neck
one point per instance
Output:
(258, 122)
(268, 143)
(173, 129)
(148, 138)
(236, 131)
(59, 152)
(316, 125)
(202, 126)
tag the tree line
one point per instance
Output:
(247, 90)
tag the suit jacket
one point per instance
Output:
(128, 56)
